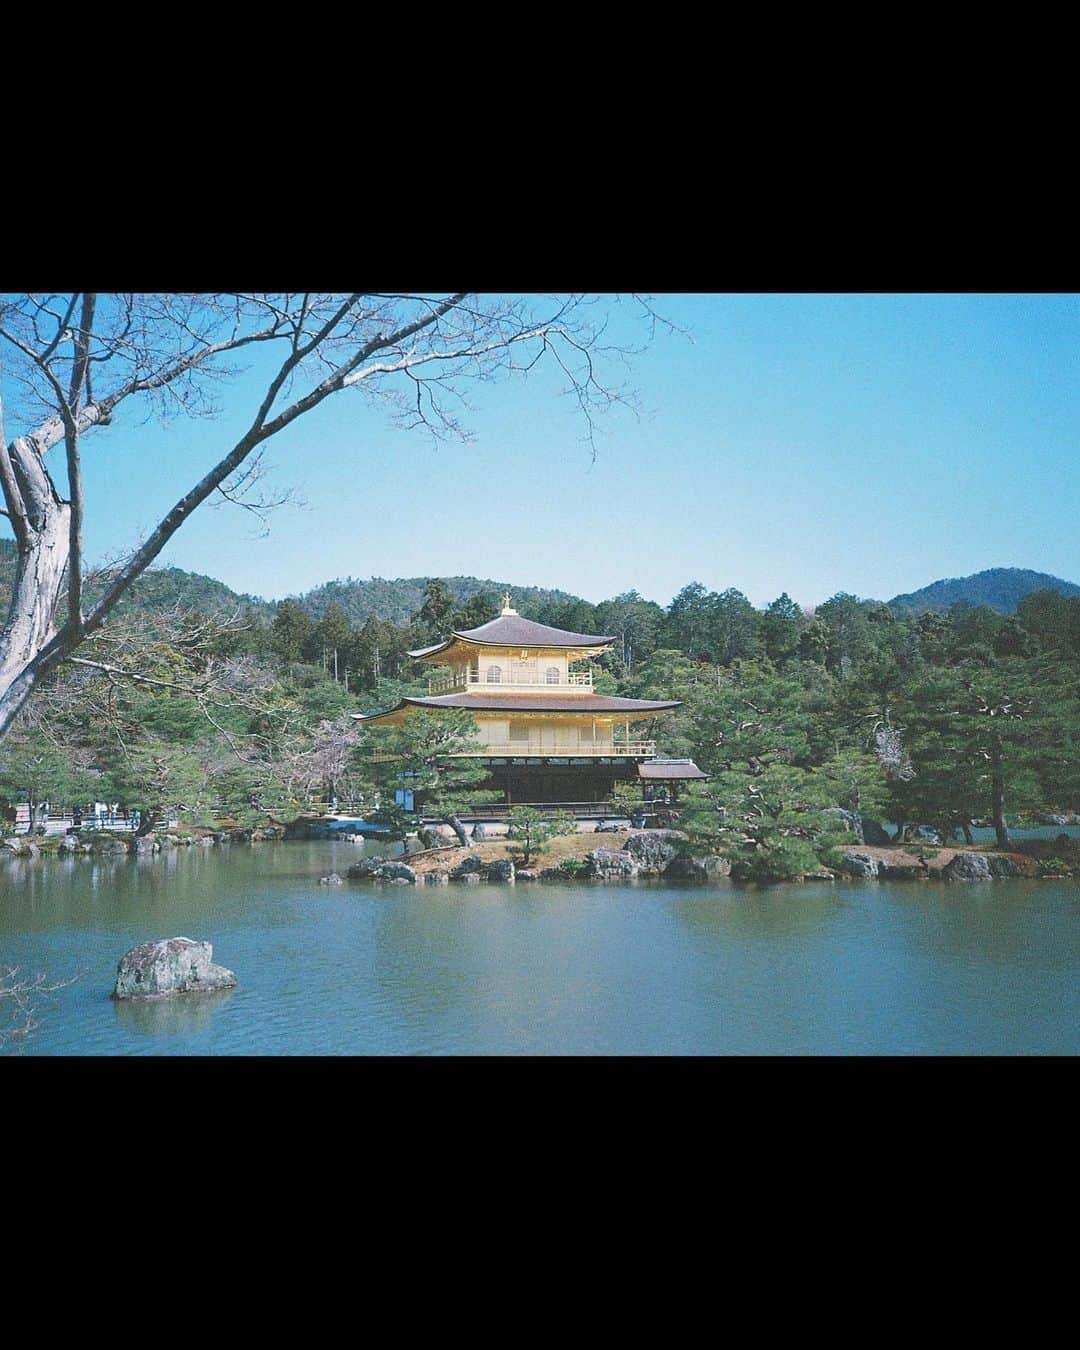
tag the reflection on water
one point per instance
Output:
(652, 968)
(169, 1016)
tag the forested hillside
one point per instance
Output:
(1002, 588)
(243, 709)
(397, 601)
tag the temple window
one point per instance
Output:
(552, 675)
(494, 674)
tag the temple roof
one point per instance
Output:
(511, 630)
(573, 703)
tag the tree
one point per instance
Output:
(291, 631)
(781, 625)
(421, 753)
(532, 830)
(432, 621)
(477, 610)
(73, 361)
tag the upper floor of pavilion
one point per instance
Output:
(514, 654)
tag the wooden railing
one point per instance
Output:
(579, 679)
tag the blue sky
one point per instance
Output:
(807, 443)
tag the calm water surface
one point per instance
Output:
(846, 968)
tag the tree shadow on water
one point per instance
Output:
(179, 1014)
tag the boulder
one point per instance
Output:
(434, 878)
(68, 843)
(501, 871)
(968, 867)
(20, 846)
(170, 966)
(859, 865)
(332, 880)
(865, 830)
(394, 871)
(821, 875)
(683, 867)
(469, 879)
(527, 874)
(106, 843)
(654, 849)
(893, 871)
(610, 864)
(981, 867)
(550, 874)
(473, 865)
(146, 844)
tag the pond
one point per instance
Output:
(538, 969)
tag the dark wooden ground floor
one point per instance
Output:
(515, 783)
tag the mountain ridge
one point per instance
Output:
(1001, 588)
(396, 600)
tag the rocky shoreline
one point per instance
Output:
(99, 842)
(626, 856)
(660, 855)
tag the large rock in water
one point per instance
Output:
(176, 965)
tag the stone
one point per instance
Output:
(527, 874)
(611, 864)
(708, 868)
(981, 867)
(176, 965)
(435, 878)
(68, 843)
(654, 849)
(501, 871)
(865, 830)
(469, 879)
(821, 875)
(394, 871)
(968, 867)
(859, 865)
(332, 880)
(893, 871)
(106, 843)
(146, 844)
(473, 864)
(550, 874)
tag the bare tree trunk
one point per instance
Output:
(43, 543)
(451, 819)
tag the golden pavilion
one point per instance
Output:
(543, 733)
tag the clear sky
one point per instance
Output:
(807, 443)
